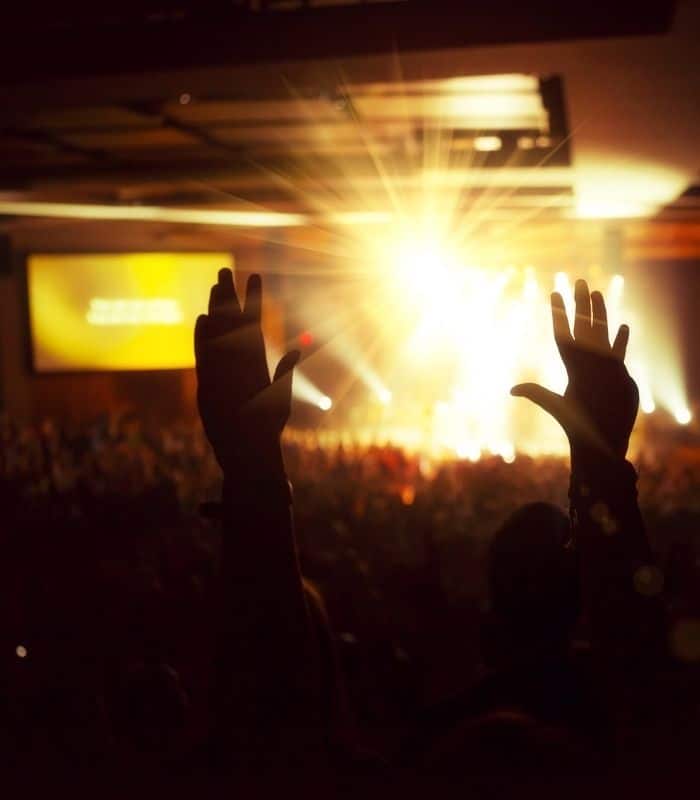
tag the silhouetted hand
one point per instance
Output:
(242, 411)
(600, 403)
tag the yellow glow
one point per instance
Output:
(646, 398)
(191, 216)
(130, 311)
(613, 189)
(470, 333)
(486, 102)
(118, 311)
(359, 218)
(450, 326)
(455, 335)
(508, 82)
(507, 452)
(488, 144)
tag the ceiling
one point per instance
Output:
(579, 114)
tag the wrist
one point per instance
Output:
(590, 460)
(606, 486)
(253, 462)
(257, 478)
(240, 492)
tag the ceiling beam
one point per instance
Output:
(202, 35)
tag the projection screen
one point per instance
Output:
(117, 311)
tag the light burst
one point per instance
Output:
(456, 315)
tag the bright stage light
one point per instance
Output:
(423, 266)
(384, 396)
(449, 327)
(468, 450)
(347, 347)
(507, 452)
(488, 144)
(617, 284)
(683, 416)
(302, 388)
(641, 376)
(460, 334)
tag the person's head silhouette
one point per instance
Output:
(150, 711)
(533, 584)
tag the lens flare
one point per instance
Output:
(458, 335)
(438, 293)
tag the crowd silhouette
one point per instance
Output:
(175, 609)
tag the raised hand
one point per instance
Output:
(599, 406)
(266, 678)
(242, 411)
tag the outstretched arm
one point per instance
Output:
(266, 677)
(620, 584)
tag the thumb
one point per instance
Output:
(281, 386)
(277, 397)
(201, 331)
(549, 401)
(286, 364)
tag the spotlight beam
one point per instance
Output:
(302, 388)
